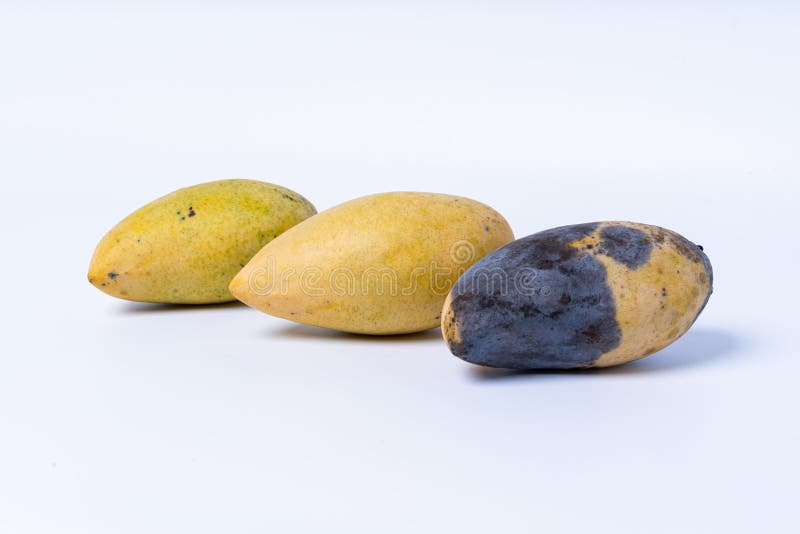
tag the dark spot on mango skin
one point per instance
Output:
(112, 275)
(685, 248)
(563, 317)
(697, 254)
(191, 212)
(626, 245)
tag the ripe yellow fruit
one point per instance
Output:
(185, 247)
(381, 264)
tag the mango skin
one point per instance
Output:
(381, 264)
(589, 295)
(185, 247)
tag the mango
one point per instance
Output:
(587, 295)
(185, 247)
(381, 264)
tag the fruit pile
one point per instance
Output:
(586, 295)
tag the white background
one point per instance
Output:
(118, 417)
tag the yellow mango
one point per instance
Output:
(185, 247)
(381, 264)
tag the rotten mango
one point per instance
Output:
(587, 295)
